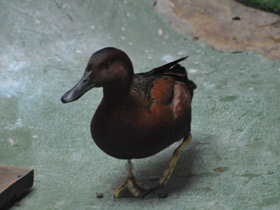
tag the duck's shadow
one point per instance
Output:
(181, 179)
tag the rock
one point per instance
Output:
(225, 25)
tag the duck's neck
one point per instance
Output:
(117, 93)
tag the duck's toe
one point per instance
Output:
(133, 188)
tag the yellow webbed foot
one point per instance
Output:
(135, 188)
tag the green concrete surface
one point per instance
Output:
(233, 160)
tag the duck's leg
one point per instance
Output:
(168, 172)
(139, 190)
(136, 189)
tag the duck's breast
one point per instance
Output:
(143, 128)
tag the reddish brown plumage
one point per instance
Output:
(140, 114)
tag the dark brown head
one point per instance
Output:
(108, 68)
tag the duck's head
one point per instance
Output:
(109, 67)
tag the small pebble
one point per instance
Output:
(12, 142)
(270, 172)
(236, 18)
(219, 170)
(99, 195)
(160, 32)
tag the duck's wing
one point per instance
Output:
(172, 69)
(158, 84)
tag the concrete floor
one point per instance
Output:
(233, 160)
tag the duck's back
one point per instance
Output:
(158, 114)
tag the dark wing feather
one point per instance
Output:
(162, 69)
(172, 69)
(143, 82)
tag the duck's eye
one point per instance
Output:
(106, 64)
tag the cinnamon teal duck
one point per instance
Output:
(139, 114)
